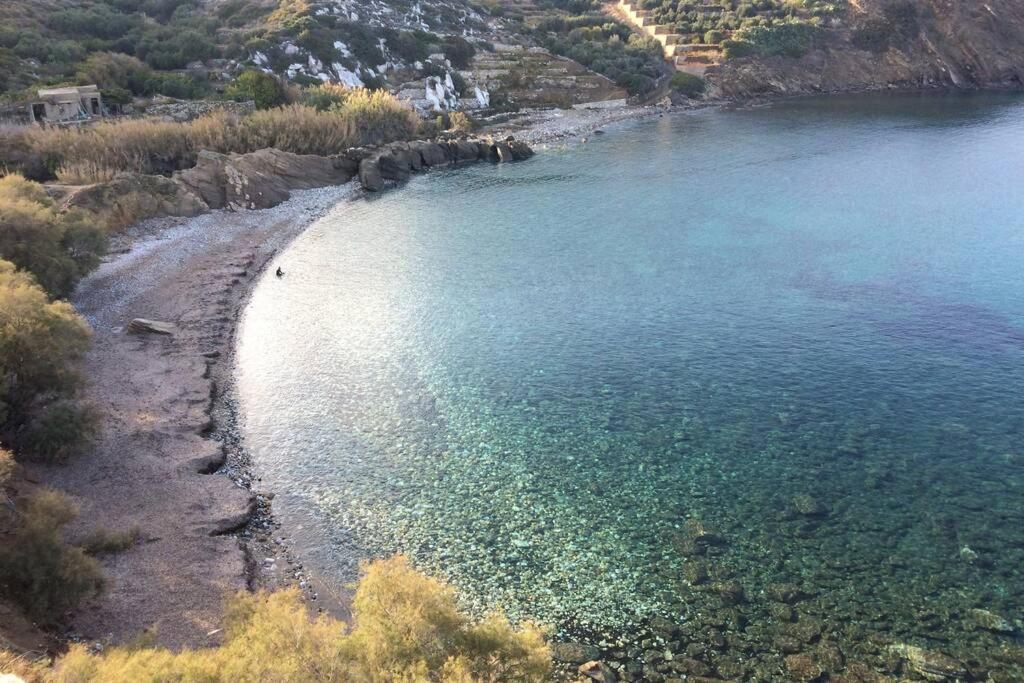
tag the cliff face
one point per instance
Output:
(951, 43)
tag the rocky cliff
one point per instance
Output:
(894, 43)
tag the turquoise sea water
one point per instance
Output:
(773, 346)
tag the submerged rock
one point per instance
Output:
(988, 621)
(787, 593)
(933, 666)
(803, 668)
(809, 506)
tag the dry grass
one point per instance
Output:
(98, 153)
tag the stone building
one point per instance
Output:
(67, 105)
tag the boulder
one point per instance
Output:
(206, 178)
(501, 152)
(263, 178)
(395, 163)
(369, 175)
(145, 326)
(573, 653)
(520, 150)
(466, 150)
(989, 621)
(431, 153)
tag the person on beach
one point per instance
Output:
(280, 272)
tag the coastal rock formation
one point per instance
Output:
(261, 179)
(397, 161)
(942, 43)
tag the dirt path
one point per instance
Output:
(154, 394)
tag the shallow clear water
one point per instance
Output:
(801, 326)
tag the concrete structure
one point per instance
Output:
(67, 105)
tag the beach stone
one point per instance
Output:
(782, 612)
(988, 621)
(146, 326)
(573, 653)
(829, 656)
(597, 671)
(803, 668)
(933, 666)
(696, 537)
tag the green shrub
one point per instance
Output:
(737, 48)
(56, 431)
(325, 96)
(264, 89)
(784, 40)
(113, 70)
(405, 627)
(57, 248)
(459, 51)
(41, 343)
(688, 84)
(714, 37)
(40, 572)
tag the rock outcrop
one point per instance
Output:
(945, 43)
(262, 179)
(397, 161)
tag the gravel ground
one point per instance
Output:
(155, 396)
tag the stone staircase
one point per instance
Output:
(692, 58)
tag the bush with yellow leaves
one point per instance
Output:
(405, 627)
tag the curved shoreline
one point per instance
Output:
(164, 398)
(159, 398)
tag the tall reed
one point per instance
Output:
(97, 153)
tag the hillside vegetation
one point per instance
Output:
(874, 44)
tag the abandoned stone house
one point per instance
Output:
(67, 105)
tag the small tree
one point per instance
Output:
(264, 89)
(41, 343)
(38, 570)
(57, 248)
(688, 84)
